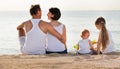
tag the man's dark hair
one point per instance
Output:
(34, 9)
(56, 13)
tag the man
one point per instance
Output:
(33, 40)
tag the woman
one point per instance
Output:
(54, 45)
(105, 41)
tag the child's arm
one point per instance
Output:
(78, 44)
(77, 48)
(91, 45)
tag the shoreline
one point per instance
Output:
(60, 61)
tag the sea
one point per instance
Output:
(75, 22)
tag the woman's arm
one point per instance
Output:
(64, 35)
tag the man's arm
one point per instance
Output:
(21, 26)
(21, 31)
(55, 33)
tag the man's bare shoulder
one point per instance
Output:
(28, 21)
(42, 21)
(45, 23)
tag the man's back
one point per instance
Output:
(42, 25)
(35, 38)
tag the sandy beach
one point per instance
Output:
(58, 61)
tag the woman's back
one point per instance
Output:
(110, 46)
(54, 44)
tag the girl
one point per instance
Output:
(105, 41)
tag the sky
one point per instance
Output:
(23, 5)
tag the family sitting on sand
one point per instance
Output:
(40, 37)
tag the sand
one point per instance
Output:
(58, 61)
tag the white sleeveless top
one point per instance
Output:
(110, 46)
(54, 45)
(35, 41)
(84, 46)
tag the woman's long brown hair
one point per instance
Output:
(103, 36)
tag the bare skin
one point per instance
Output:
(86, 36)
(98, 43)
(44, 26)
(21, 32)
(57, 23)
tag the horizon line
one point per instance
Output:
(61, 10)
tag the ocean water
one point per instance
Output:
(75, 22)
